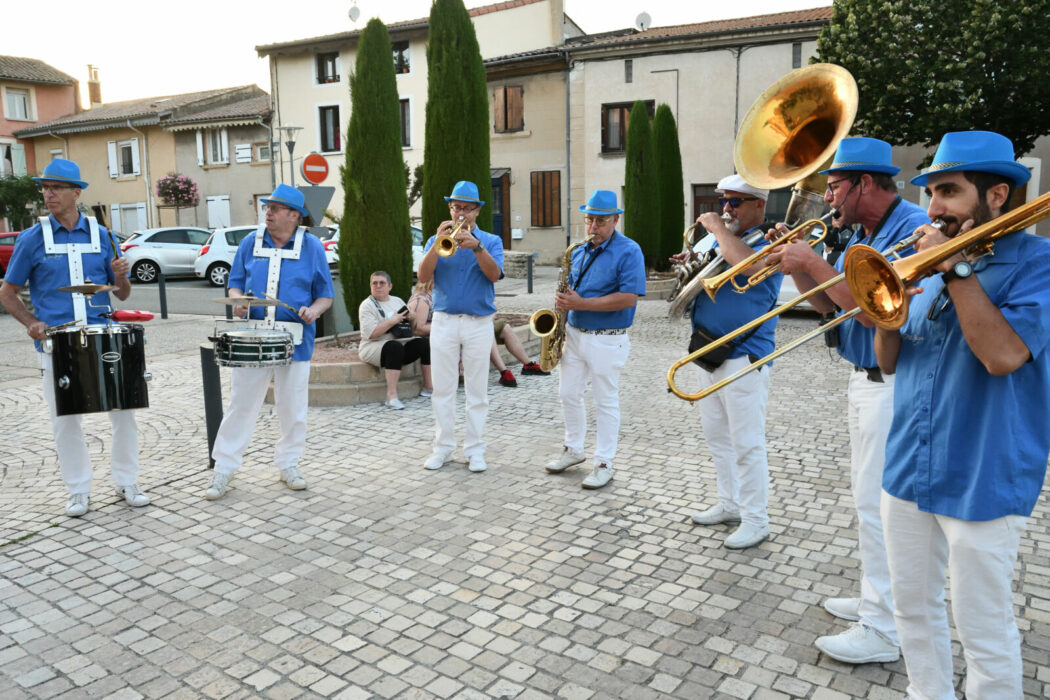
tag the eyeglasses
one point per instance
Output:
(734, 201)
(835, 182)
(600, 220)
(462, 207)
(55, 188)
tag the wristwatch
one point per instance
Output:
(960, 270)
(479, 249)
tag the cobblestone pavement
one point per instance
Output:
(384, 580)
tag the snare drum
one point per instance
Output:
(253, 348)
(98, 368)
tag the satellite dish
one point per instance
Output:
(643, 21)
(354, 13)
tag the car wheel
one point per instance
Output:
(145, 271)
(218, 274)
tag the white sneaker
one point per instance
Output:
(426, 393)
(859, 644)
(436, 461)
(78, 505)
(845, 608)
(716, 515)
(566, 460)
(133, 496)
(293, 479)
(747, 535)
(217, 488)
(477, 464)
(394, 403)
(598, 478)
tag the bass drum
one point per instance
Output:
(99, 368)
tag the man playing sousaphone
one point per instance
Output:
(67, 248)
(734, 419)
(283, 261)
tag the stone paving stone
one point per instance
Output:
(383, 580)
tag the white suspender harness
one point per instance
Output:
(273, 275)
(73, 252)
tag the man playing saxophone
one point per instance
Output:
(734, 419)
(606, 277)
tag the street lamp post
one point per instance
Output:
(289, 141)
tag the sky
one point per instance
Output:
(145, 50)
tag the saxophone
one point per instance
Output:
(549, 324)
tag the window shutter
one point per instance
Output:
(224, 155)
(140, 210)
(243, 152)
(515, 109)
(135, 157)
(111, 150)
(499, 107)
(114, 215)
(18, 159)
(200, 147)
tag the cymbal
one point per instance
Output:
(89, 289)
(247, 301)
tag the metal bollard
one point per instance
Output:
(163, 289)
(229, 309)
(529, 274)
(212, 396)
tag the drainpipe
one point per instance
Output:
(64, 140)
(568, 153)
(149, 186)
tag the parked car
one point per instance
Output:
(7, 246)
(330, 241)
(216, 256)
(172, 251)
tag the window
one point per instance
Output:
(509, 108)
(16, 104)
(796, 55)
(546, 198)
(614, 124)
(327, 68)
(262, 152)
(402, 57)
(12, 159)
(123, 158)
(406, 124)
(126, 155)
(329, 128)
(217, 146)
(628, 71)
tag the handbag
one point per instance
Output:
(713, 358)
(398, 330)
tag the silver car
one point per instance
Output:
(171, 251)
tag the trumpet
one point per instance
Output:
(446, 243)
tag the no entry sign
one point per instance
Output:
(315, 168)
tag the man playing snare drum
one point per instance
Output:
(281, 260)
(66, 248)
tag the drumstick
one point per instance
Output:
(281, 303)
(62, 325)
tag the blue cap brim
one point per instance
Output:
(53, 178)
(1007, 168)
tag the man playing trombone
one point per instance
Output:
(734, 419)
(861, 188)
(967, 451)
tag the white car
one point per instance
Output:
(171, 251)
(331, 246)
(216, 256)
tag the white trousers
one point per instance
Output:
(734, 422)
(979, 558)
(73, 459)
(453, 336)
(599, 358)
(870, 415)
(291, 385)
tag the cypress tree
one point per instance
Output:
(457, 128)
(374, 231)
(641, 204)
(669, 187)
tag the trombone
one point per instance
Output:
(446, 243)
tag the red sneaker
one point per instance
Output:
(507, 379)
(532, 368)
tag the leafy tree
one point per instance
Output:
(374, 230)
(414, 178)
(641, 214)
(670, 188)
(457, 130)
(926, 67)
(16, 193)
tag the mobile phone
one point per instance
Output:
(403, 309)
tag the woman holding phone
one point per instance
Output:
(387, 340)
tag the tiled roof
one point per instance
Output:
(392, 27)
(253, 107)
(31, 70)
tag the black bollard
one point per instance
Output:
(212, 396)
(163, 289)
(529, 287)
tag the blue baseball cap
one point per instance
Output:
(863, 154)
(601, 203)
(975, 151)
(465, 191)
(62, 170)
(289, 197)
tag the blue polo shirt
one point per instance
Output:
(460, 286)
(731, 309)
(303, 281)
(964, 443)
(857, 343)
(617, 265)
(45, 273)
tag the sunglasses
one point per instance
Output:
(734, 201)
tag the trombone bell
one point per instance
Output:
(877, 286)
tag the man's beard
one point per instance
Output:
(733, 225)
(980, 213)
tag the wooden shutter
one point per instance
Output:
(135, 157)
(243, 152)
(515, 108)
(546, 198)
(499, 108)
(114, 168)
(116, 224)
(200, 147)
(224, 153)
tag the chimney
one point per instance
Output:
(94, 87)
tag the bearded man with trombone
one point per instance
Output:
(967, 451)
(862, 190)
(734, 421)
